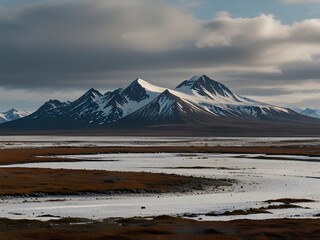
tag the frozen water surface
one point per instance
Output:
(259, 180)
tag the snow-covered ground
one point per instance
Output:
(259, 180)
(92, 141)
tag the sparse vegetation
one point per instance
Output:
(37, 182)
(162, 227)
(239, 212)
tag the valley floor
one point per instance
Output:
(97, 191)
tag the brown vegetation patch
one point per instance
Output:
(163, 227)
(281, 206)
(289, 200)
(35, 181)
(240, 212)
(11, 156)
(286, 204)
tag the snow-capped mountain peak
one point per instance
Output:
(92, 93)
(206, 87)
(51, 104)
(148, 86)
(221, 101)
(140, 90)
(188, 84)
(12, 114)
(11, 111)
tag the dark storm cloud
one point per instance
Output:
(57, 44)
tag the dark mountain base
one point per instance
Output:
(220, 129)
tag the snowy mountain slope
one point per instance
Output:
(112, 106)
(138, 94)
(168, 107)
(76, 113)
(124, 102)
(12, 114)
(2, 118)
(221, 101)
(85, 109)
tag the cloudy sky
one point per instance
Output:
(267, 50)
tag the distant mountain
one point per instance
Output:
(47, 106)
(12, 114)
(199, 102)
(315, 113)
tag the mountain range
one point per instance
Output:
(199, 104)
(315, 113)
